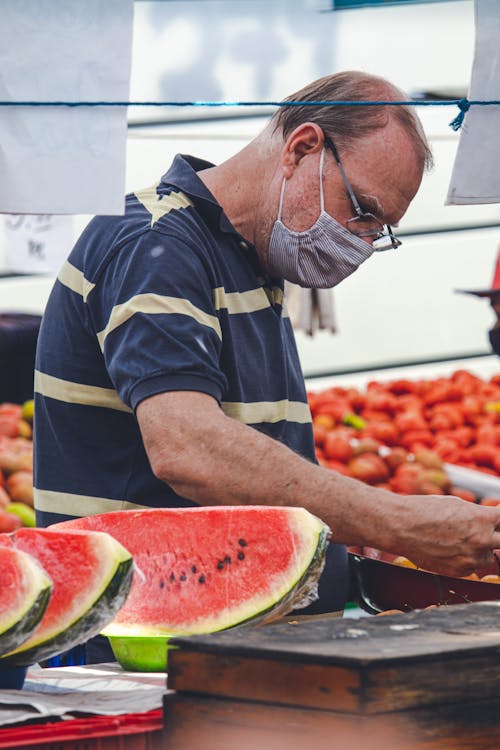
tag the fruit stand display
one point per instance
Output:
(422, 436)
(400, 434)
(16, 466)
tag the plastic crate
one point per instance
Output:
(142, 731)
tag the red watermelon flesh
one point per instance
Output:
(24, 594)
(209, 568)
(91, 575)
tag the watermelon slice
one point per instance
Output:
(209, 568)
(91, 574)
(24, 595)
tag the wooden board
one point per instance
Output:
(200, 723)
(367, 666)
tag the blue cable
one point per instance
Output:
(463, 104)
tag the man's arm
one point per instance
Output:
(215, 460)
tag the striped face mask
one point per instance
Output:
(319, 257)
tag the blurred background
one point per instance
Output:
(400, 308)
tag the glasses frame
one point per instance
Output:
(384, 238)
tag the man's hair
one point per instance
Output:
(345, 124)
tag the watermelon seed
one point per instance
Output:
(193, 569)
(201, 579)
(242, 543)
(241, 555)
(182, 577)
(227, 559)
(162, 584)
(220, 564)
(172, 577)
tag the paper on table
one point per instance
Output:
(59, 160)
(101, 689)
(476, 173)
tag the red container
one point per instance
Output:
(142, 731)
(380, 585)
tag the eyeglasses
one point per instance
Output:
(364, 224)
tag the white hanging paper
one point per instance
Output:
(37, 243)
(58, 160)
(476, 173)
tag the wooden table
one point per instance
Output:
(424, 680)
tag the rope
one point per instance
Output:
(463, 104)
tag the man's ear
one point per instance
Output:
(306, 139)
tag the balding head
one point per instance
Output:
(346, 124)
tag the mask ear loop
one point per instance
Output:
(280, 207)
(321, 195)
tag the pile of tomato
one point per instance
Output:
(456, 418)
(16, 466)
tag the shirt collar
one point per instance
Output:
(183, 175)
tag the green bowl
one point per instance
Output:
(141, 653)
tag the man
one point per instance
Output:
(167, 373)
(493, 294)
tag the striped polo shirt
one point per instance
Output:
(167, 297)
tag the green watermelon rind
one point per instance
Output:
(24, 623)
(300, 593)
(90, 624)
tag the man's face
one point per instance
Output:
(384, 176)
(495, 305)
(382, 169)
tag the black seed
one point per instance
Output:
(162, 584)
(220, 564)
(242, 543)
(201, 579)
(241, 555)
(182, 577)
(193, 569)
(172, 577)
(227, 559)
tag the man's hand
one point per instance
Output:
(448, 535)
(215, 460)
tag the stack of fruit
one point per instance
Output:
(398, 434)
(16, 466)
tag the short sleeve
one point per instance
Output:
(155, 321)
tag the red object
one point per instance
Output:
(126, 732)
(495, 285)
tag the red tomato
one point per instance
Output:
(410, 420)
(320, 434)
(324, 420)
(401, 387)
(369, 468)
(487, 434)
(420, 437)
(492, 501)
(339, 467)
(385, 432)
(333, 407)
(337, 447)
(482, 455)
(463, 493)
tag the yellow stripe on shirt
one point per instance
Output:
(156, 304)
(159, 205)
(69, 504)
(267, 411)
(250, 301)
(74, 279)
(78, 393)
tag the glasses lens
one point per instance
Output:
(386, 242)
(365, 225)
